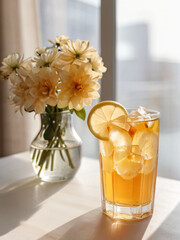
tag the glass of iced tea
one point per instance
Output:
(128, 155)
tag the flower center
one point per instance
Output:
(45, 90)
(15, 67)
(77, 55)
(78, 86)
(46, 64)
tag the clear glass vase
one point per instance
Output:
(56, 150)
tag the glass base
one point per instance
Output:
(127, 212)
(54, 179)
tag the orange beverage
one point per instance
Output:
(128, 163)
(128, 154)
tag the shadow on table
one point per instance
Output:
(96, 226)
(170, 228)
(21, 199)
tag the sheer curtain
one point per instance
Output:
(18, 32)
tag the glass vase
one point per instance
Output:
(56, 150)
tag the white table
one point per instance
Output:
(30, 209)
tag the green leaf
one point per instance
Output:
(65, 108)
(81, 114)
(71, 110)
(49, 109)
(49, 133)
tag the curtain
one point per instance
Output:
(18, 32)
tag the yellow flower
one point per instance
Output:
(11, 63)
(98, 65)
(75, 53)
(43, 89)
(77, 86)
(45, 59)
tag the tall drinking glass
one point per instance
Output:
(128, 166)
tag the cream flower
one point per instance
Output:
(11, 63)
(43, 90)
(63, 75)
(14, 78)
(35, 91)
(77, 87)
(46, 58)
(98, 65)
(60, 41)
(40, 50)
(75, 53)
(24, 70)
(20, 90)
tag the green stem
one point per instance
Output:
(44, 157)
(34, 153)
(52, 161)
(46, 153)
(38, 156)
(69, 158)
(61, 155)
(67, 152)
(47, 164)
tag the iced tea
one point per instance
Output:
(128, 162)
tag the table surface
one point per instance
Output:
(31, 209)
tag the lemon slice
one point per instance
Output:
(102, 116)
(106, 148)
(147, 141)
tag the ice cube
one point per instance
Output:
(121, 153)
(142, 111)
(129, 167)
(139, 114)
(136, 149)
(150, 124)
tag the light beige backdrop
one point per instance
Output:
(18, 32)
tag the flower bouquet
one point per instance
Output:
(59, 78)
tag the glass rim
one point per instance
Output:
(151, 115)
(56, 113)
